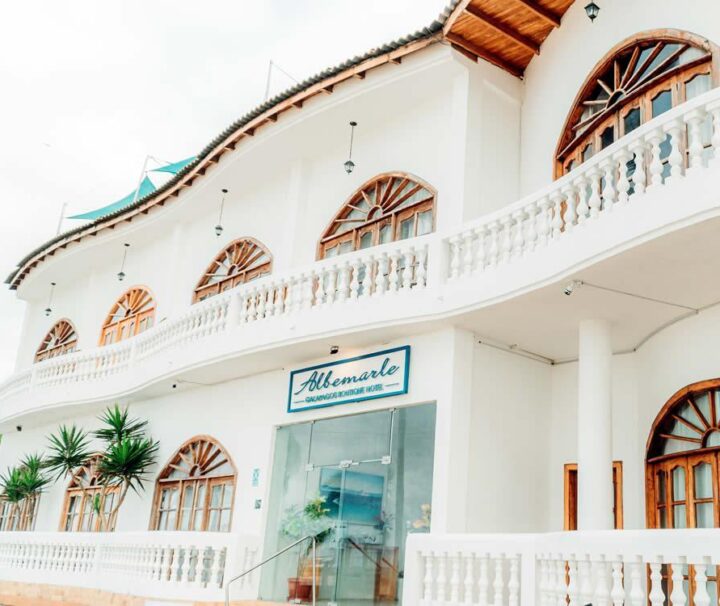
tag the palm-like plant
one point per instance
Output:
(21, 487)
(122, 464)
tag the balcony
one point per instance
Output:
(625, 567)
(626, 196)
(168, 565)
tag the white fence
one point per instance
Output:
(149, 564)
(618, 568)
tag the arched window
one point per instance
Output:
(683, 460)
(196, 489)
(243, 260)
(133, 313)
(393, 206)
(638, 80)
(80, 512)
(61, 339)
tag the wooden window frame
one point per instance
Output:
(206, 480)
(569, 147)
(131, 324)
(64, 331)
(85, 497)
(392, 215)
(570, 499)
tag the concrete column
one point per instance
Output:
(452, 428)
(594, 431)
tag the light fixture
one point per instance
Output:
(349, 164)
(334, 349)
(48, 309)
(121, 273)
(592, 10)
(219, 227)
(572, 287)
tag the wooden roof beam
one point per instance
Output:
(485, 54)
(541, 12)
(503, 29)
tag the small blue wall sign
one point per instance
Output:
(376, 375)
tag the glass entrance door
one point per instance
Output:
(366, 481)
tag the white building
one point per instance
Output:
(525, 256)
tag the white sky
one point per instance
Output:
(89, 88)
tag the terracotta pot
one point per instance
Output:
(299, 589)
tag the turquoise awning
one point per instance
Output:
(146, 187)
(175, 167)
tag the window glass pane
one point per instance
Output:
(227, 496)
(679, 516)
(607, 137)
(713, 439)
(425, 221)
(199, 508)
(224, 521)
(406, 228)
(213, 522)
(216, 495)
(661, 487)
(661, 103)
(697, 86)
(678, 484)
(366, 240)
(712, 587)
(663, 517)
(703, 481)
(385, 234)
(631, 121)
(187, 507)
(587, 152)
(704, 515)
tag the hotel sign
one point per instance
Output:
(375, 375)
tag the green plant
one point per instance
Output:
(309, 521)
(21, 487)
(122, 464)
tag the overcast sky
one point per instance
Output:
(89, 88)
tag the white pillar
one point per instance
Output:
(594, 431)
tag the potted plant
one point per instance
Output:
(312, 520)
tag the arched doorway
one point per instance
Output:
(683, 460)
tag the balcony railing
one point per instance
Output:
(633, 568)
(150, 564)
(608, 190)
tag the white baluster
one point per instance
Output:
(622, 157)
(677, 595)
(367, 278)
(199, 581)
(320, 298)
(343, 281)
(695, 119)
(657, 595)
(519, 239)
(595, 202)
(609, 193)
(585, 579)
(480, 233)
(544, 578)
(494, 245)
(701, 597)
(407, 272)
(469, 579)
(429, 579)
(262, 299)
(308, 290)
(543, 221)
(381, 275)
(570, 217)
(394, 270)
(714, 109)
(583, 209)
(531, 235)
(561, 590)
(441, 589)
(499, 582)
(454, 257)
(602, 588)
(354, 279)
(455, 579)
(331, 291)
(507, 237)
(467, 257)
(217, 568)
(514, 582)
(655, 138)
(421, 269)
(557, 221)
(674, 129)
(483, 581)
(618, 591)
(639, 177)
(573, 588)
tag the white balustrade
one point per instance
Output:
(136, 563)
(619, 175)
(607, 568)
